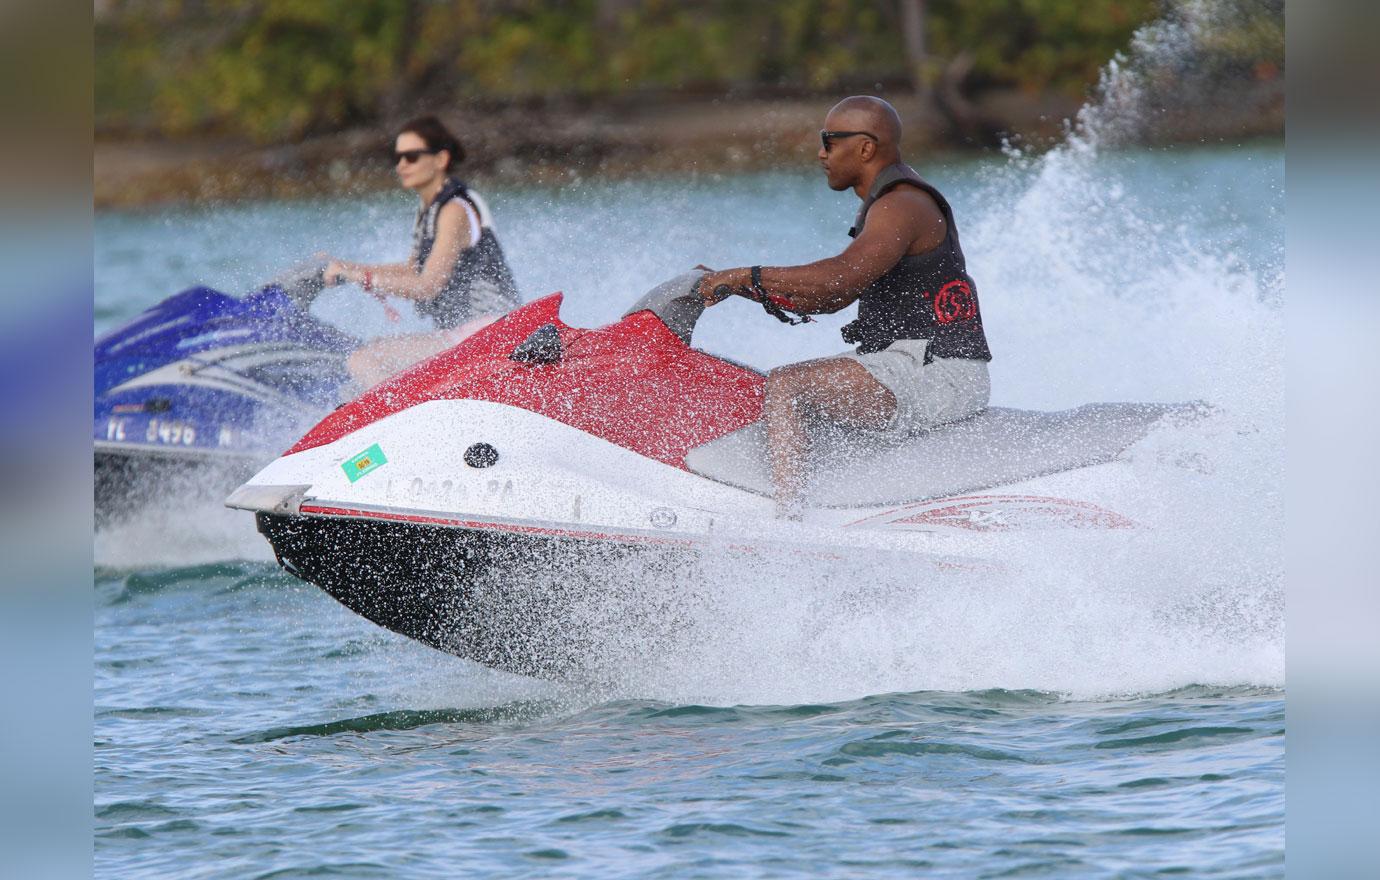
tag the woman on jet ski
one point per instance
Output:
(457, 274)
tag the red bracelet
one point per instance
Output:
(368, 281)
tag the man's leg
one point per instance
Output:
(837, 389)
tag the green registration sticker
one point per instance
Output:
(370, 459)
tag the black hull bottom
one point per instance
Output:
(542, 606)
(127, 483)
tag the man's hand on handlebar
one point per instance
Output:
(715, 287)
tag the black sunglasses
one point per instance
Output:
(826, 138)
(410, 156)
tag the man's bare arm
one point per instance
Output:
(898, 220)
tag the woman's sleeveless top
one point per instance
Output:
(481, 282)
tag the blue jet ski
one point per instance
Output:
(203, 388)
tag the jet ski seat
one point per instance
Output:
(996, 447)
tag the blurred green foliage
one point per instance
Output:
(275, 69)
(1037, 44)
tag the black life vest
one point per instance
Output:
(481, 282)
(924, 296)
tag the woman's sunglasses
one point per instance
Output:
(411, 156)
(827, 138)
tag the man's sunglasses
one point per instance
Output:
(827, 138)
(410, 156)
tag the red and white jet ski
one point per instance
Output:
(471, 501)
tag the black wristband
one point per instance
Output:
(757, 288)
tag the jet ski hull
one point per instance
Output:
(533, 604)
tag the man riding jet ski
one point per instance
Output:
(922, 354)
(477, 501)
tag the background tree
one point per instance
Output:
(281, 69)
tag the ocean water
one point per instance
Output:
(246, 727)
(1110, 709)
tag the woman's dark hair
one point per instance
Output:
(437, 137)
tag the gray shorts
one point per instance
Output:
(927, 395)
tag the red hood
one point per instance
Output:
(633, 383)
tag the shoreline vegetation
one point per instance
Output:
(205, 102)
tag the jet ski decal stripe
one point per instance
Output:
(488, 525)
(940, 563)
(998, 513)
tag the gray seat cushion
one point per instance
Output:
(997, 447)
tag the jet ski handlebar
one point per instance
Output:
(759, 296)
(676, 302)
(304, 282)
(679, 305)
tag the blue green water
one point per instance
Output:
(247, 728)
(1116, 712)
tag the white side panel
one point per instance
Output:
(551, 476)
(546, 472)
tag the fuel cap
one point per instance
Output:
(481, 455)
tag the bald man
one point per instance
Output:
(921, 357)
